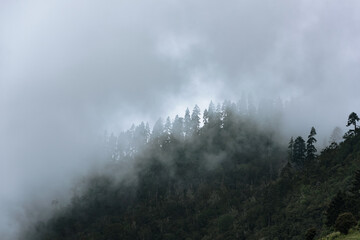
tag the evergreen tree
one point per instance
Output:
(218, 117)
(299, 152)
(206, 117)
(157, 133)
(195, 120)
(147, 131)
(187, 123)
(229, 115)
(291, 150)
(139, 137)
(353, 118)
(211, 114)
(310, 148)
(178, 128)
(167, 130)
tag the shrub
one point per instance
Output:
(310, 234)
(344, 222)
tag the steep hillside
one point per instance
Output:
(229, 179)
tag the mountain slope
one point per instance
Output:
(226, 180)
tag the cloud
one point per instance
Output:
(70, 69)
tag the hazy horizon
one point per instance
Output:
(71, 69)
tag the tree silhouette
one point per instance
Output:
(291, 150)
(299, 152)
(195, 120)
(310, 148)
(353, 118)
(187, 123)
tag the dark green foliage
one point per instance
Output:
(356, 184)
(344, 222)
(310, 148)
(336, 206)
(291, 150)
(310, 234)
(225, 222)
(230, 180)
(353, 118)
(299, 151)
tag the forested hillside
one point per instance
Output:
(229, 177)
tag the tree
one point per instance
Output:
(353, 118)
(178, 128)
(310, 148)
(206, 117)
(167, 130)
(299, 152)
(211, 114)
(187, 123)
(157, 133)
(195, 120)
(344, 222)
(291, 150)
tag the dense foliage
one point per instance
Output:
(228, 179)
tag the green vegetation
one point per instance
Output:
(352, 235)
(344, 222)
(229, 179)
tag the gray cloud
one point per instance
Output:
(70, 69)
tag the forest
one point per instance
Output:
(217, 174)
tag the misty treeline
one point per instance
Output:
(221, 118)
(223, 178)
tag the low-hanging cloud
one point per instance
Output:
(70, 69)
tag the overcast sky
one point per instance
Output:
(69, 69)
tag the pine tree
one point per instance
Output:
(299, 152)
(178, 128)
(187, 123)
(157, 133)
(195, 120)
(310, 148)
(211, 114)
(167, 131)
(353, 118)
(206, 117)
(291, 150)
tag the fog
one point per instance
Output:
(69, 70)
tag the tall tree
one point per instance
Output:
(178, 128)
(195, 120)
(157, 133)
(291, 150)
(187, 123)
(310, 148)
(167, 130)
(206, 117)
(353, 118)
(299, 152)
(211, 114)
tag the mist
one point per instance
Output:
(71, 70)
